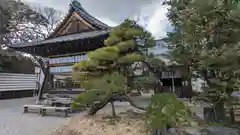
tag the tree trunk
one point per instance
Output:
(113, 109)
(126, 98)
(96, 107)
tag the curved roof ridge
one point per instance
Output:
(75, 6)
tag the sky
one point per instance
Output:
(150, 13)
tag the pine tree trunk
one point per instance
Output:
(96, 107)
(128, 99)
(113, 109)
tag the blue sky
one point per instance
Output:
(150, 13)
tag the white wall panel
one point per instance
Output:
(14, 82)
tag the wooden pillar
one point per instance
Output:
(45, 68)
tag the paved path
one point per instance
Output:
(14, 122)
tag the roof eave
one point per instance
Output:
(77, 36)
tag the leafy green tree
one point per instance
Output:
(205, 39)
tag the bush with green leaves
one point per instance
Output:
(165, 110)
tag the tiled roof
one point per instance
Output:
(64, 38)
(76, 6)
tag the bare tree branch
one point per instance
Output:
(28, 24)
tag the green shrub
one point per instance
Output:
(165, 110)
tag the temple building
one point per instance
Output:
(78, 33)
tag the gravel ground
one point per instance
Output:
(14, 122)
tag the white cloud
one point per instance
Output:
(152, 13)
(154, 18)
(158, 23)
(108, 21)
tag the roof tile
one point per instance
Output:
(64, 38)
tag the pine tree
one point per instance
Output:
(123, 47)
(108, 71)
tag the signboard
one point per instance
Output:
(70, 59)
